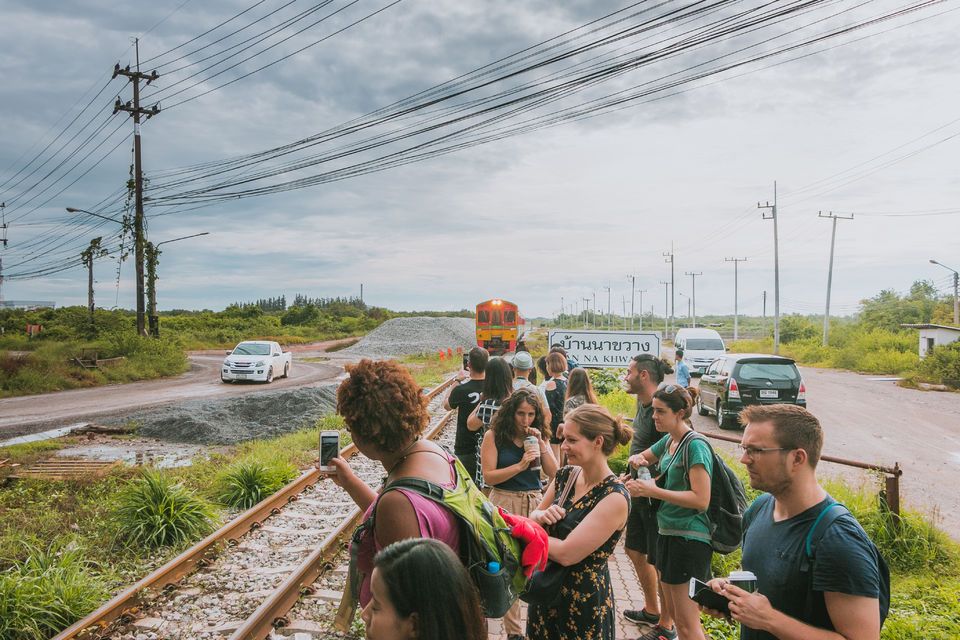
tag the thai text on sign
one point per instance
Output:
(606, 348)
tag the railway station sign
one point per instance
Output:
(606, 348)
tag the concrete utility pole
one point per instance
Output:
(670, 259)
(586, 317)
(594, 309)
(764, 307)
(135, 111)
(956, 292)
(633, 285)
(833, 241)
(693, 277)
(666, 308)
(776, 267)
(736, 314)
(683, 295)
(561, 312)
(88, 255)
(609, 314)
(641, 292)
(3, 241)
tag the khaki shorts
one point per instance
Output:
(519, 503)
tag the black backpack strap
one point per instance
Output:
(685, 443)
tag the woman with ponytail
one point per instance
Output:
(685, 465)
(584, 529)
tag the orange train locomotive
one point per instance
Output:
(499, 326)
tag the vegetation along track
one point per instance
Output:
(242, 579)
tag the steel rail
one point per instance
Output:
(271, 614)
(200, 554)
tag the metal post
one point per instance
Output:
(736, 311)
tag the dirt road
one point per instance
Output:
(881, 423)
(30, 414)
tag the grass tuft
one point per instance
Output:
(249, 482)
(155, 512)
(47, 591)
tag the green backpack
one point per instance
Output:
(485, 539)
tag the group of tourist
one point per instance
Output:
(528, 445)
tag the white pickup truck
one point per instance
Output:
(258, 360)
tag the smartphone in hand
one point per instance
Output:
(329, 448)
(702, 594)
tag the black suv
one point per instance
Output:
(734, 381)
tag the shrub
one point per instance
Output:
(606, 380)
(155, 512)
(249, 482)
(46, 592)
(942, 365)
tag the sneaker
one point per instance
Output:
(640, 616)
(659, 633)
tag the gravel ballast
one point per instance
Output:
(411, 336)
(255, 415)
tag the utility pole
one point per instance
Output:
(641, 292)
(666, 308)
(633, 286)
(3, 240)
(361, 293)
(764, 308)
(609, 314)
(88, 255)
(623, 299)
(594, 309)
(673, 323)
(561, 312)
(586, 317)
(135, 111)
(693, 277)
(776, 267)
(956, 292)
(736, 312)
(833, 241)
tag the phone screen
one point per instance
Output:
(329, 448)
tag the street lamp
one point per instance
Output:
(138, 251)
(956, 292)
(152, 255)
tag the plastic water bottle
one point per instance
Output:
(643, 473)
(530, 443)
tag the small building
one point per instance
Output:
(934, 335)
(27, 305)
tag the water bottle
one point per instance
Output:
(643, 473)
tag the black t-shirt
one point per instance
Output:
(844, 562)
(645, 432)
(464, 398)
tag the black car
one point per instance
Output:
(734, 381)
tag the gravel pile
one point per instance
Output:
(255, 415)
(406, 336)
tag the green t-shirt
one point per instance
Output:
(673, 520)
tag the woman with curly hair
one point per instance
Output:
(386, 414)
(506, 466)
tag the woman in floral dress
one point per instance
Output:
(594, 514)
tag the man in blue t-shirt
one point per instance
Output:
(839, 598)
(683, 372)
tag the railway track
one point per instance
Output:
(243, 579)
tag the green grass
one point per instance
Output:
(156, 512)
(248, 482)
(428, 370)
(47, 590)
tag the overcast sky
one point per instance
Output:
(563, 211)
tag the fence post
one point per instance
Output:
(893, 490)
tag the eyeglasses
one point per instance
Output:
(753, 452)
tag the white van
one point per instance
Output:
(700, 348)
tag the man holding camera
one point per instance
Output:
(813, 582)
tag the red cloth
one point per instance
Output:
(533, 538)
